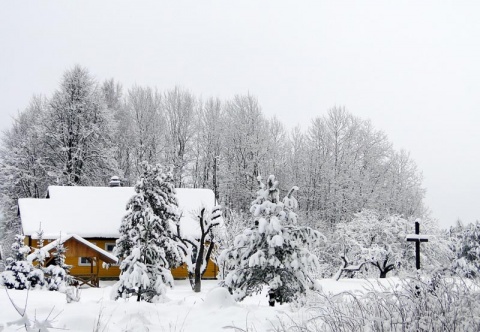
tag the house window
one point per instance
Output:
(85, 261)
(109, 247)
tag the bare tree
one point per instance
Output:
(77, 131)
(145, 112)
(179, 106)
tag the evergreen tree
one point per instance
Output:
(58, 274)
(37, 276)
(465, 243)
(40, 255)
(18, 268)
(270, 253)
(146, 246)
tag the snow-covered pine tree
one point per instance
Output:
(465, 243)
(17, 268)
(58, 274)
(37, 276)
(146, 246)
(40, 254)
(271, 254)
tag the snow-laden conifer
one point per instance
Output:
(17, 268)
(466, 246)
(57, 275)
(146, 246)
(274, 251)
(39, 254)
(37, 276)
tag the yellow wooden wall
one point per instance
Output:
(114, 271)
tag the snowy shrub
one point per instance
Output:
(36, 278)
(271, 254)
(146, 247)
(56, 278)
(381, 242)
(72, 294)
(16, 275)
(416, 304)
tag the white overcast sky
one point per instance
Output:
(411, 67)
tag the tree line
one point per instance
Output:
(88, 131)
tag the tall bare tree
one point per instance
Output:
(179, 107)
(77, 129)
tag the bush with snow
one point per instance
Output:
(426, 303)
(271, 254)
(36, 278)
(219, 297)
(380, 241)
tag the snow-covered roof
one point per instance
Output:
(64, 238)
(97, 211)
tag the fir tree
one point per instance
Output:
(37, 276)
(270, 253)
(40, 254)
(466, 247)
(146, 246)
(18, 268)
(58, 274)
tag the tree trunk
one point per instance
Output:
(191, 278)
(271, 298)
(199, 261)
(198, 283)
(383, 274)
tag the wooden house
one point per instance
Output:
(87, 221)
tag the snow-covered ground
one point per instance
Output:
(211, 310)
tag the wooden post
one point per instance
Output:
(417, 239)
(97, 281)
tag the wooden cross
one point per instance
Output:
(417, 238)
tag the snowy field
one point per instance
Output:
(211, 310)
